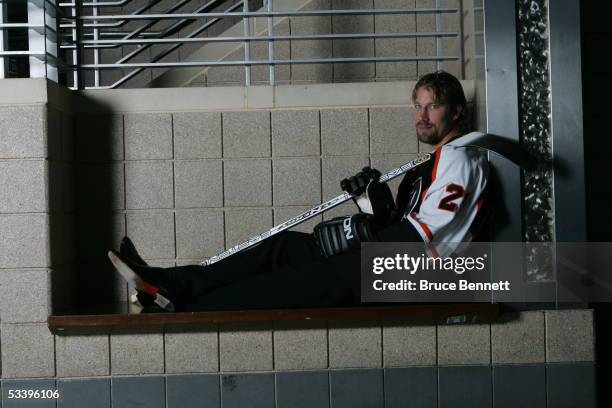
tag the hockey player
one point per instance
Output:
(438, 201)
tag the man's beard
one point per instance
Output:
(434, 136)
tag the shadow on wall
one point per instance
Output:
(99, 197)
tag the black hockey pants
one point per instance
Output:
(285, 271)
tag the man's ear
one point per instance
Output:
(458, 112)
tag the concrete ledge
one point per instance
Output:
(40, 91)
(254, 97)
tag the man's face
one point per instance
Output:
(431, 120)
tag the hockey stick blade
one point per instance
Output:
(499, 145)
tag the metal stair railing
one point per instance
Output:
(82, 29)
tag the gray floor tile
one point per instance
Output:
(519, 386)
(94, 393)
(247, 390)
(357, 388)
(187, 391)
(571, 385)
(129, 392)
(464, 386)
(18, 387)
(411, 387)
(302, 389)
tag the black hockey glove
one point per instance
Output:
(343, 233)
(377, 200)
(357, 184)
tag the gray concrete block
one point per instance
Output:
(296, 133)
(99, 284)
(393, 47)
(464, 344)
(198, 183)
(108, 229)
(24, 241)
(282, 214)
(246, 134)
(148, 136)
(54, 136)
(297, 181)
(426, 46)
(245, 347)
(140, 391)
(354, 344)
(90, 393)
(300, 345)
(82, 356)
(24, 186)
(259, 52)
(27, 351)
(353, 48)
(518, 340)
(302, 50)
(570, 336)
(152, 233)
(409, 345)
(68, 184)
(197, 135)
(243, 224)
(149, 184)
(344, 131)
(25, 296)
(334, 169)
(392, 130)
(100, 187)
(320, 73)
(194, 351)
(247, 182)
(189, 391)
(199, 234)
(25, 137)
(141, 353)
(231, 75)
(99, 138)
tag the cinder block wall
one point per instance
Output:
(182, 181)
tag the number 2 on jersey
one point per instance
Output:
(455, 192)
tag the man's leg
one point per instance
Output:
(320, 283)
(186, 283)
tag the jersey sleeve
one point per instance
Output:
(450, 203)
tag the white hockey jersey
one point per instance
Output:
(442, 200)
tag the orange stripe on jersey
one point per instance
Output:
(426, 229)
(423, 226)
(434, 171)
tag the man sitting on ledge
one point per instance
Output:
(439, 201)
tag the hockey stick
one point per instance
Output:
(495, 144)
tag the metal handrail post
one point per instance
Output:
(247, 44)
(271, 43)
(36, 39)
(2, 40)
(438, 39)
(78, 52)
(96, 34)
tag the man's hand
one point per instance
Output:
(377, 200)
(357, 184)
(343, 233)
